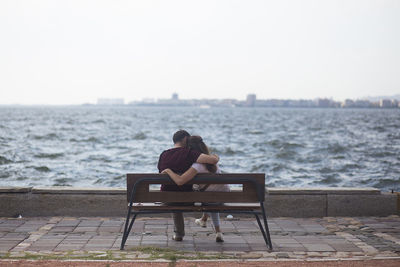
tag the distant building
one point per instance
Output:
(324, 103)
(251, 100)
(348, 103)
(362, 104)
(228, 102)
(302, 103)
(175, 96)
(110, 101)
(148, 100)
(385, 103)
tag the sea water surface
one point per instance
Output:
(92, 146)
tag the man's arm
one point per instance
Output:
(181, 179)
(207, 159)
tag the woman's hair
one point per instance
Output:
(196, 142)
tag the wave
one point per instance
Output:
(286, 155)
(278, 144)
(278, 167)
(62, 182)
(45, 137)
(339, 157)
(42, 169)
(99, 121)
(326, 170)
(88, 140)
(119, 177)
(259, 167)
(393, 136)
(229, 151)
(309, 159)
(91, 140)
(379, 129)
(350, 166)
(49, 155)
(100, 158)
(329, 180)
(99, 181)
(226, 151)
(256, 132)
(381, 154)
(140, 136)
(336, 148)
(387, 183)
(4, 160)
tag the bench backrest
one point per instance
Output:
(253, 188)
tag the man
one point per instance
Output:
(179, 159)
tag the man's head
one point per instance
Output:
(180, 137)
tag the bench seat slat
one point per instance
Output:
(169, 196)
(225, 206)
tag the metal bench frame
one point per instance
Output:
(198, 180)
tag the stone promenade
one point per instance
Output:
(94, 238)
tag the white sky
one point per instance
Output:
(71, 52)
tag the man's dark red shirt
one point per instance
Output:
(179, 160)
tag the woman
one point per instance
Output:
(196, 143)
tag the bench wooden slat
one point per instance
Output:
(168, 196)
(225, 206)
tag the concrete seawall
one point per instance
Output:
(280, 202)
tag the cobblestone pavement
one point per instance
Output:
(293, 238)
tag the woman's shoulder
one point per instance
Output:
(199, 167)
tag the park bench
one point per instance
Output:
(249, 199)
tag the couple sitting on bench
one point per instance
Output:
(190, 156)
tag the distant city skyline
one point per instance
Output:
(252, 101)
(73, 52)
(176, 96)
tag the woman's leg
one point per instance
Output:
(216, 222)
(215, 219)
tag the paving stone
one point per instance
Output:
(69, 247)
(62, 229)
(318, 247)
(251, 255)
(85, 229)
(281, 255)
(143, 255)
(345, 248)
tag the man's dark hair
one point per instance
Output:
(179, 136)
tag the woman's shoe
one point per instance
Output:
(219, 237)
(200, 222)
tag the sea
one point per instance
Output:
(95, 146)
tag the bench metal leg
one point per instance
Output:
(262, 229)
(127, 229)
(130, 225)
(266, 225)
(128, 216)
